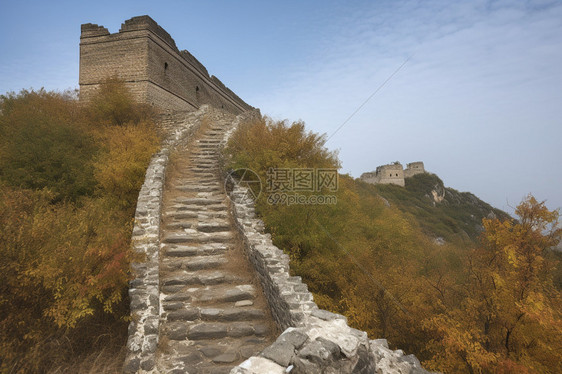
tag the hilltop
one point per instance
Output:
(443, 213)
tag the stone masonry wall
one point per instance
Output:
(414, 168)
(145, 56)
(314, 340)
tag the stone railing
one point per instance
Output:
(314, 340)
(144, 289)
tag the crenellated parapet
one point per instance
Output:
(393, 173)
(156, 72)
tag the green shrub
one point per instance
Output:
(43, 145)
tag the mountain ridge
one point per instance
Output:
(443, 213)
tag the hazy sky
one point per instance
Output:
(479, 99)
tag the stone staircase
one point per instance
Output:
(213, 314)
(196, 303)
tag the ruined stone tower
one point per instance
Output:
(145, 56)
(386, 174)
(414, 168)
(393, 173)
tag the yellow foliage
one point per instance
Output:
(66, 251)
(511, 311)
(490, 310)
(120, 169)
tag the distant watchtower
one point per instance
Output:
(393, 173)
(414, 168)
(386, 174)
(145, 56)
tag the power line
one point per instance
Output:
(369, 98)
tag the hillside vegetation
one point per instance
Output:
(485, 301)
(440, 211)
(69, 180)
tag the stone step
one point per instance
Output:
(180, 215)
(204, 166)
(205, 162)
(178, 225)
(206, 159)
(189, 251)
(202, 180)
(197, 201)
(184, 312)
(224, 294)
(199, 278)
(203, 173)
(231, 314)
(190, 182)
(193, 263)
(214, 194)
(217, 204)
(196, 209)
(204, 153)
(200, 331)
(208, 146)
(214, 226)
(218, 330)
(211, 316)
(212, 215)
(190, 188)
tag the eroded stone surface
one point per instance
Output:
(211, 308)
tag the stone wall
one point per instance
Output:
(386, 174)
(145, 56)
(314, 340)
(414, 168)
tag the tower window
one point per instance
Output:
(165, 66)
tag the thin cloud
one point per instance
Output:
(480, 77)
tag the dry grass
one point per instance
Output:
(104, 361)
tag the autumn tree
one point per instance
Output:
(69, 180)
(43, 144)
(510, 319)
(359, 257)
